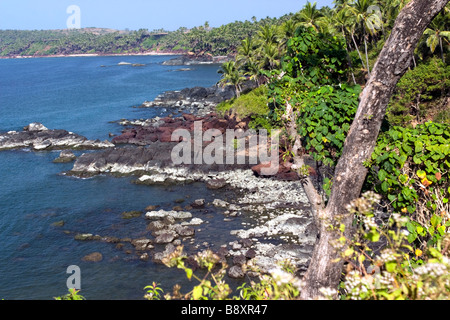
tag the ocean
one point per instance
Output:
(85, 95)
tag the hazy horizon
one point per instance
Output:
(140, 14)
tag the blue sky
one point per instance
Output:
(136, 14)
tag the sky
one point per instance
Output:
(136, 14)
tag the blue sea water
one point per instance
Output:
(84, 95)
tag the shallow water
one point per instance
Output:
(84, 95)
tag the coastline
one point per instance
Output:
(149, 53)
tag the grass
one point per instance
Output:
(252, 103)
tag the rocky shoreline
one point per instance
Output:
(37, 137)
(191, 59)
(282, 226)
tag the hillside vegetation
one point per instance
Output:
(202, 39)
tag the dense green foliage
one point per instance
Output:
(410, 167)
(418, 91)
(42, 43)
(253, 103)
(223, 40)
(310, 82)
(315, 78)
(325, 119)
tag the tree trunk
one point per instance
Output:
(359, 53)
(350, 173)
(367, 56)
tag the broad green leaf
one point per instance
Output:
(391, 265)
(421, 174)
(418, 146)
(197, 293)
(382, 174)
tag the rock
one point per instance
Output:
(239, 260)
(216, 183)
(38, 137)
(41, 145)
(58, 223)
(86, 237)
(65, 156)
(35, 127)
(144, 256)
(220, 203)
(184, 231)
(246, 243)
(193, 222)
(111, 239)
(198, 203)
(151, 208)
(162, 214)
(236, 272)
(166, 237)
(156, 225)
(196, 59)
(93, 257)
(223, 252)
(236, 246)
(250, 254)
(131, 214)
(160, 256)
(142, 244)
(169, 220)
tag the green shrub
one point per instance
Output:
(418, 92)
(397, 271)
(325, 116)
(72, 295)
(410, 168)
(251, 103)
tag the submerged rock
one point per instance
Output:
(93, 257)
(65, 156)
(131, 214)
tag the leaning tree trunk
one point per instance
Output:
(350, 173)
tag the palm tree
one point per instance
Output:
(270, 55)
(268, 34)
(369, 20)
(435, 34)
(287, 30)
(231, 75)
(246, 51)
(309, 16)
(391, 10)
(253, 71)
(341, 20)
